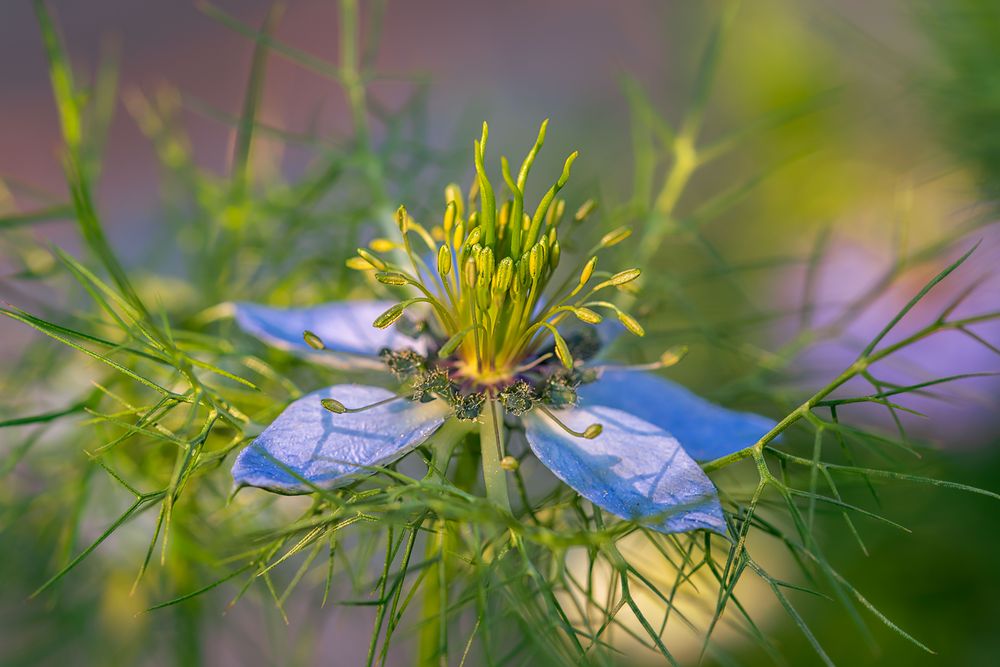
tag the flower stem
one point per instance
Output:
(491, 440)
(433, 630)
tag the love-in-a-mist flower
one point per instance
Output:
(495, 333)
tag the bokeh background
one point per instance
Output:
(892, 140)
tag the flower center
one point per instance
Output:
(488, 279)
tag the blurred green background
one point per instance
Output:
(875, 126)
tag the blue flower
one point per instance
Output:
(642, 466)
(481, 335)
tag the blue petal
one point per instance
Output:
(632, 469)
(343, 326)
(706, 430)
(330, 450)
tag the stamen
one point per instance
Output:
(313, 341)
(670, 357)
(589, 433)
(540, 360)
(338, 408)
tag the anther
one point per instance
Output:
(588, 270)
(509, 463)
(391, 278)
(338, 408)
(313, 341)
(382, 245)
(615, 237)
(585, 209)
(589, 433)
(444, 260)
(453, 195)
(670, 357)
(450, 212)
(376, 262)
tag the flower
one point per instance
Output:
(494, 346)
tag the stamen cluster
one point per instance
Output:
(487, 277)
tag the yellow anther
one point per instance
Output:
(333, 405)
(554, 255)
(469, 273)
(391, 278)
(450, 215)
(615, 237)
(374, 261)
(536, 260)
(585, 210)
(485, 264)
(389, 316)
(313, 341)
(383, 245)
(631, 324)
(504, 275)
(673, 355)
(359, 264)
(504, 217)
(444, 260)
(620, 278)
(401, 219)
(588, 270)
(453, 193)
(587, 315)
(555, 213)
(593, 431)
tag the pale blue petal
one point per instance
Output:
(706, 430)
(632, 469)
(344, 326)
(330, 450)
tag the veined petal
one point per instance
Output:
(632, 469)
(705, 430)
(330, 449)
(344, 326)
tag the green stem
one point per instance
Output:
(433, 644)
(491, 440)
